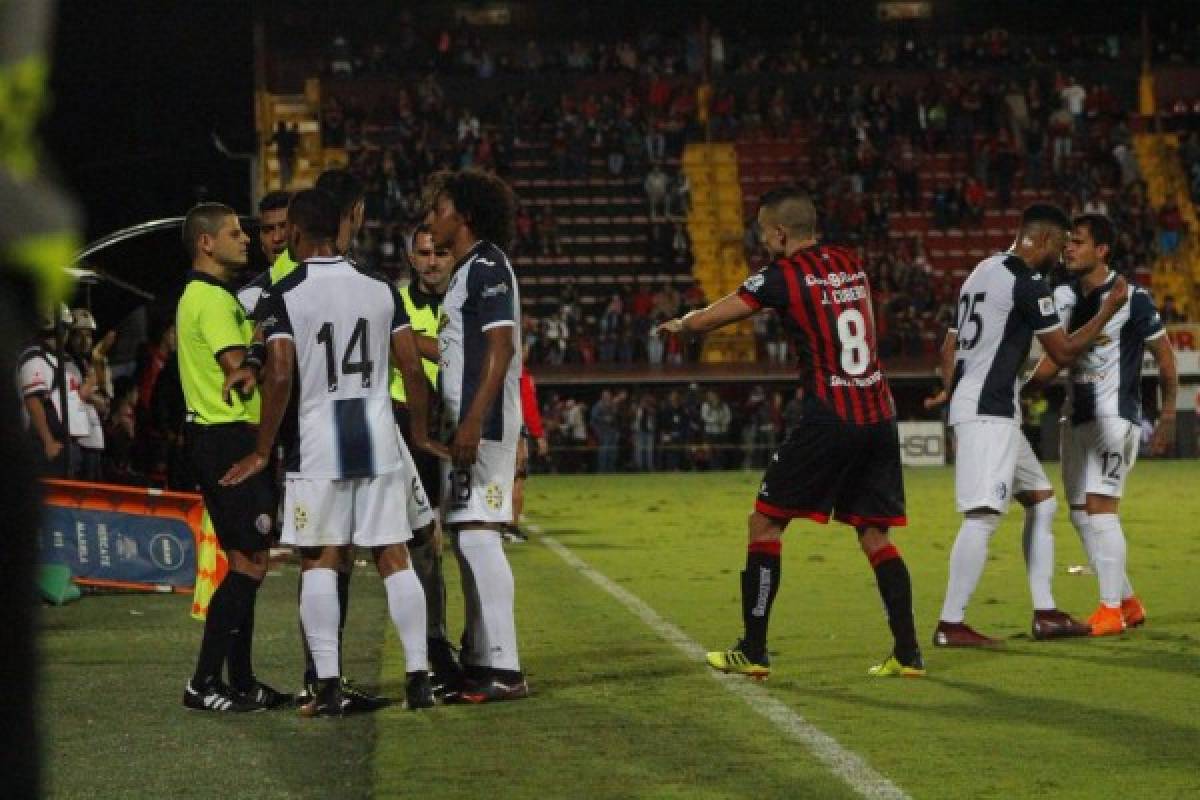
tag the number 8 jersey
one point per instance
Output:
(341, 322)
(1001, 306)
(824, 302)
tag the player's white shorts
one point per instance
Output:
(993, 461)
(484, 492)
(367, 512)
(1097, 457)
(420, 513)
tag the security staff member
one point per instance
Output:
(213, 334)
(422, 299)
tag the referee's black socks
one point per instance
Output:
(241, 649)
(227, 610)
(895, 587)
(760, 584)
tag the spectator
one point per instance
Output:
(645, 428)
(656, 185)
(604, 427)
(287, 142)
(717, 417)
(547, 230)
(672, 428)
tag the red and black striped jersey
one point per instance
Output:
(824, 300)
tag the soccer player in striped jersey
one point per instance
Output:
(1100, 426)
(348, 482)
(844, 461)
(472, 214)
(1002, 305)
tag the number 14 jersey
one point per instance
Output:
(1001, 306)
(823, 299)
(341, 321)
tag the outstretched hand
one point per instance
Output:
(244, 469)
(670, 326)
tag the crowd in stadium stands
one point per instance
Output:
(666, 429)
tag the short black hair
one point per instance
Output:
(203, 218)
(1099, 227)
(417, 231)
(345, 189)
(313, 211)
(485, 202)
(273, 201)
(794, 207)
(1046, 213)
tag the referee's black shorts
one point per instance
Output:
(242, 515)
(836, 469)
(429, 469)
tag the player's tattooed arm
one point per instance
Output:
(427, 346)
(276, 385)
(1168, 376)
(464, 448)
(729, 309)
(407, 359)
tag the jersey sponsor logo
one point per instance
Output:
(754, 282)
(493, 497)
(835, 279)
(1103, 340)
(1046, 305)
(861, 383)
(482, 260)
(300, 517)
(493, 291)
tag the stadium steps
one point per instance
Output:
(1178, 274)
(716, 226)
(303, 111)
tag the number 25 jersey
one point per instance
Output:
(1001, 306)
(341, 322)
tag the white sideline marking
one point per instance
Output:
(844, 763)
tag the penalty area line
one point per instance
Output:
(842, 762)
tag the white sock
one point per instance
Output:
(966, 564)
(1038, 541)
(406, 605)
(1082, 523)
(483, 551)
(1109, 541)
(1083, 526)
(474, 642)
(319, 611)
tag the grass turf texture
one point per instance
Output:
(617, 712)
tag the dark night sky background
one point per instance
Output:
(137, 87)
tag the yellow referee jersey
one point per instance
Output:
(208, 322)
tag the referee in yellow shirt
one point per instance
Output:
(422, 298)
(213, 335)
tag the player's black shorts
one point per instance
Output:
(848, 472)
(242, 515)
(429, 469)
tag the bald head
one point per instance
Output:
(786, 218)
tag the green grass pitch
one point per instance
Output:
(617, 712)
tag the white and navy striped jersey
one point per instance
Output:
(341, 321)
(482, 295)
(1106, 380)
(1001, 306)
(249, 294)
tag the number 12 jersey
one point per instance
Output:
(341, 321)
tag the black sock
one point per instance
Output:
(226, 611)
(241, 647)
(310, 668)
(427, 563)
(343, 579)
(760, 584)
(895, 587)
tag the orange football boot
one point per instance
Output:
(1107, 621)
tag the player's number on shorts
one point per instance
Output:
(360, 340)
(852, 333)
(1116, 459)
(968, 314)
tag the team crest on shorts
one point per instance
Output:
(493, 497)
(300, 518)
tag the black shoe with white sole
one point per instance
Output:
(216, 697)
